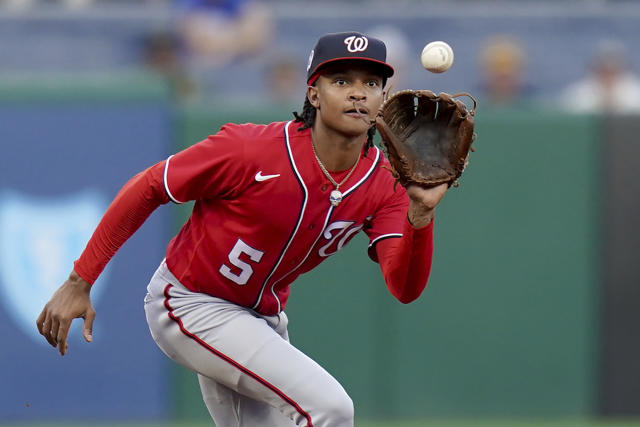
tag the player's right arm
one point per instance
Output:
(70, 301)
(131, 207)
(209, 168)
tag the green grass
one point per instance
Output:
(424, 423)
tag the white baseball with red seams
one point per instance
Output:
(437, 57)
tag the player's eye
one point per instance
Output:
(340, 82)
(373, 83)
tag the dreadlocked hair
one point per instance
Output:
(308, 118)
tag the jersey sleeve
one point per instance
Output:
(210, 168)
(406, 261)
(403, 252)
(389, 220)
(133, 204)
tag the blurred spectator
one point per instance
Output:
(23, 4)
(77, 4)
(162, 57)
(610, 85)
(285, 80)
(219, 31)
(398, 54)
(502, 63)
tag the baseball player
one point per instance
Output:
(271, 202)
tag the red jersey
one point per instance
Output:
(262, 217)
(262, 214)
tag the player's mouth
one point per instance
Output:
(359, 112)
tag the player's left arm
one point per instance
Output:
(423, 202)
(406, 262)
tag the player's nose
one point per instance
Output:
(357, 95)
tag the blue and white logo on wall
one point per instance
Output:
(40, 237)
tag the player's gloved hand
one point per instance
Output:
(423, 202)
(70, 301)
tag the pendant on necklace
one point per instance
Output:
(335, 197)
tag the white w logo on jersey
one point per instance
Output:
(334, 231)
(356, 44)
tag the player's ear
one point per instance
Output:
(312, 96)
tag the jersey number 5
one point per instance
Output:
(245, 271)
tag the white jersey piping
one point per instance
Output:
(166, 185)
(384, 236)
(295, 231)
(326, 221)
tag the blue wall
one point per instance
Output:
(60, 166)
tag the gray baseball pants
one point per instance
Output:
(249, 373)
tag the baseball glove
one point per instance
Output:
(427, 137)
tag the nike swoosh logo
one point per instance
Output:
(260, 177)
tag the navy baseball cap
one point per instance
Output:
(351, 45)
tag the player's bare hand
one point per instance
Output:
(423, 202)
(70, 301)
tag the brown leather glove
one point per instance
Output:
(427, 137)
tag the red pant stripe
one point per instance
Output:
(231, 361)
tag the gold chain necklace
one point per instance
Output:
(336, 195)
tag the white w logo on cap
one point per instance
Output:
(356, 44)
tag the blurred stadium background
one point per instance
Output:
(531, 315)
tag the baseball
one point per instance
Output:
(437, 57)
